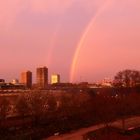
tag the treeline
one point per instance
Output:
(36, 114)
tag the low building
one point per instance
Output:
(55, 79)
(2, 81)
(15, 82)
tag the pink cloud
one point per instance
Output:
(9, 11)
(54, 6)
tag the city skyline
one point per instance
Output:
(80, 40)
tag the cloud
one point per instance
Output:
(60, 6)
(50, 6)
(92, 5)
(9, 9)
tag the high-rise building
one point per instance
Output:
(26, 79)
(55, 79)
(42, 77)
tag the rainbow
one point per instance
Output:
(52, 44)
(84, 36)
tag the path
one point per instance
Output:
(78, 135)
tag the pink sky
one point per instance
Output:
(47, 32)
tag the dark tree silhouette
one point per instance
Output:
(37, 103)
(4, 109)
(105, 109)
(127, 78)
(22, 107)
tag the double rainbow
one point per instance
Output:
(85, 35)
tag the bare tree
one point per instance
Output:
(37, 103)
(4, 109)
(22, 107)
(127, 78)
(105, 109)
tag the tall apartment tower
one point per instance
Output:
(26, 79)
(42, 77)
(55, 79)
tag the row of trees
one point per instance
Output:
(68, 111)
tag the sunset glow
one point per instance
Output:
(84, 36)
(80, 40)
